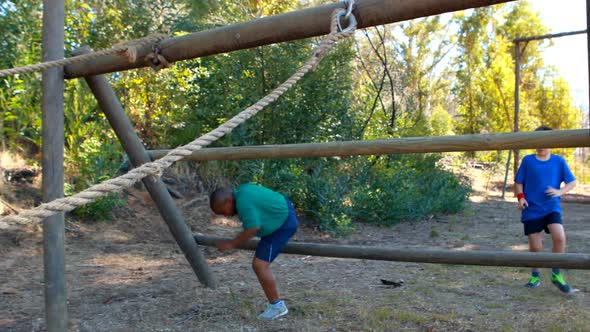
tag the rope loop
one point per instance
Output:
(127, 50)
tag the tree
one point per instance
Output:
(401, 65)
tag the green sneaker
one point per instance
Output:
(534, 282)
(557, 280)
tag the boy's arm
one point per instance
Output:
(242, 237)
(518, 192)
(517, 188)
(553, 192)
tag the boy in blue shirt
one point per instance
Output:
(268, 215)
(537, 187)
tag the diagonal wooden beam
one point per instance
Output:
(110, 105)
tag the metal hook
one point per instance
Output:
(349, 8)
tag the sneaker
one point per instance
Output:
(534, 282)
(274, 311)
(557, 280)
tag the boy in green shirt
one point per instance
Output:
(266, 214)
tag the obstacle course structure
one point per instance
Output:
(291, 26)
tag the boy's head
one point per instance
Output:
(222, 202)
(543, 152)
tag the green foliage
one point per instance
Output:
(337, 192)
(409, 188)
(406, 79)
(100, 209)
(94, 163)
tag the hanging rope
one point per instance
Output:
(157, 167)
(127, 50)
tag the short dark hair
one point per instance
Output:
(218, 197)
(541, 128)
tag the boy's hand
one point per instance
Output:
(553, 192)
(522, 204)
(224, 245)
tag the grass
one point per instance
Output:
(434, 233)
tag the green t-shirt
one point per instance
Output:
(261, 207)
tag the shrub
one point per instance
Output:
(93, 163)
(337, 192)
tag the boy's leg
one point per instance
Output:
(558, 238)
(535, 245)
(267, 250)
(266, 279)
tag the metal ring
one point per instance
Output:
(351, 22)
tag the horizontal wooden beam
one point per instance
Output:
(481, 142)
(474, 257)
(295, 25)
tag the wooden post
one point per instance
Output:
(124, 130)
(478, 142)
(473, 257)
(56, 311)
(275, 29)
(516, 98)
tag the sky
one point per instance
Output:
(569, 54)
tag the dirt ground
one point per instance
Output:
(128, 275)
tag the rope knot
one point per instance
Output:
(156, 60)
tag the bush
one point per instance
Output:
(409, 188)
(338, 192)
(93, 163)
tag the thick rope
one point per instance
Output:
(126, 49)
(157, 167)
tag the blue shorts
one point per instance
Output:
(537, 225)
(270, 246)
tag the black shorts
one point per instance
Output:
(537, 225)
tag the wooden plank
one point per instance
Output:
(124, 130)
(481, 142)
(473, 257)
(295, 25)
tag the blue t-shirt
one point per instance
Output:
(536, 176)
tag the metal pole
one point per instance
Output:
(516, 98)
(478, 142)
(295, 25)
(473, 257)
(56, 314)
(550, 36)
(110, 105)
(588, 45)
(506, 174)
